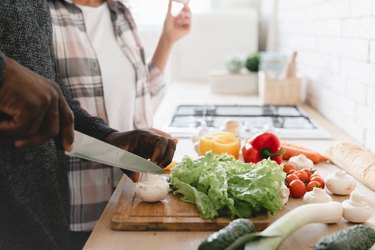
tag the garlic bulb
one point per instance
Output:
(356, 209)
(301, 161)
(284, 194)
(340, 183)
(152, 188)
(317, 195)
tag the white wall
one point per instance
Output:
(214, 36)
(336, 41)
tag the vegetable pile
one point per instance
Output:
(220, 185)
(301, 181)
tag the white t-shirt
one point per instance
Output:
(118, 74)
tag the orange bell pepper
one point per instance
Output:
(220, 142)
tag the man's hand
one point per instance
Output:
(163, 133)
(33, 109)
(149, 145)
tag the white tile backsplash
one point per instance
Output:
(350, 28)
(361, 8)
(370, 140)
(336, 44)
(372, 52)
(367, 28)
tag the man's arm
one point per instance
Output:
(2, 67)
(147, 144)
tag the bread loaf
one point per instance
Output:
(355, 160)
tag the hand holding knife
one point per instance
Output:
(130, 151)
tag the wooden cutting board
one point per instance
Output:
(170, 214)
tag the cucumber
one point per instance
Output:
(357, 237)
(227, 235)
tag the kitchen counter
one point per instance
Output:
(198, 93)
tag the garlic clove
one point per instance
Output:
(284, 194)
(340, 183)
(356, 209)
(301, 161)
(317, 195)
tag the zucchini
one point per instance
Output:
(356, 237)
(227, 235)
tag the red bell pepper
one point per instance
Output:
(262, 146)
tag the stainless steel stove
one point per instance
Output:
(288, 122)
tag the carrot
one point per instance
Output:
(295, 150)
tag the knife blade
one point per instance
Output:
(92, 149)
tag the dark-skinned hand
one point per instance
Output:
(147, 144)
(33, 109)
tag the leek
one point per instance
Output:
(276, 233)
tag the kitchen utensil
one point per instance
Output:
(89, 148)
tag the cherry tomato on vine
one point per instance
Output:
(290, 178)
(297, 188)
(312, 184)
(302, 175)
(287, 167)
(308, 171)
(319, 179)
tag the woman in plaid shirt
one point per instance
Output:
(99, 57)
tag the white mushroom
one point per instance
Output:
(152, 188)
(317, 195)
(301, 161)
(340, 183)
(356, 209)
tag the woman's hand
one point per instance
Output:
(175, 27)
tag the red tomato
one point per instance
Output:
(292, 171)
(297, 188)
(290, 178)
(302, 175)
(308, 171)
(318, 179)
(312, 184)
(314, 174)
(288, 167)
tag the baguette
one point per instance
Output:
(355, 160)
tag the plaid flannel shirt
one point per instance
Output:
(91, 184)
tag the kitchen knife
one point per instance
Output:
(89, 148)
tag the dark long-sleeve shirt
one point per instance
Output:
(34, 196)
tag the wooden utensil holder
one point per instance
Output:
(287, 91)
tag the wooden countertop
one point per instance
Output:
(187, 93)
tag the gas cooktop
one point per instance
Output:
(289, 122)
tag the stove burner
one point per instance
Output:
(284, 119)
(255, 116)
